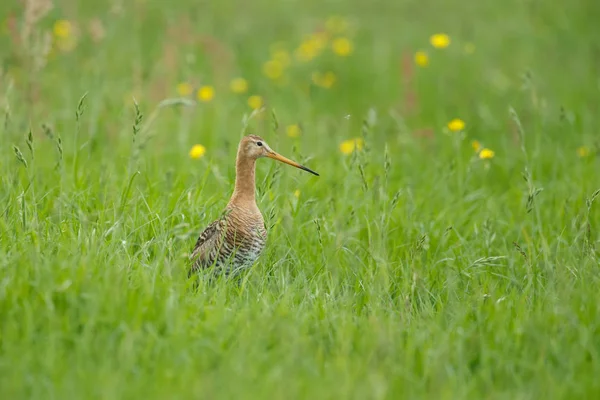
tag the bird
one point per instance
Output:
(234, 241)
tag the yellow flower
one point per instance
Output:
(184, 89)
(297, 193)
(310, 47)
(421, 59)
(325, 80)
(307, 50)
(456, 125)
(583, 151)
(62, 29)
(476, 146)
(238, 85)
(65, 39)
(273, 69)
(282, 57)
(486, 154)
(255, 102)
(348, 146)
(469, 48)
(342, 46)
(336, 24)
(293, 131)
(206, 93)
(440, 40)
(197, 151)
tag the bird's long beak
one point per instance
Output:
(279, 157)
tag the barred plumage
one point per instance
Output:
(234, 242)
(230, 244)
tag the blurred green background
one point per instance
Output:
(449, 248)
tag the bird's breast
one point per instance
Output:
(246, 229)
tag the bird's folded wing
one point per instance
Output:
(209, 239)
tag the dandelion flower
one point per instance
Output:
(350, 145)
(62, 29)
(293, 131)
(238, 85)
(255, 102)
(440, 40)
(421, 59)
(297, 193)
(342, 47)
(197, 151)
(476, 146)
(206, 93)
(336, 24)
(184, 89)
(311, 47)
(456, 125)
(273, 69)
(486, 154)
(583, 151)
(307, 51)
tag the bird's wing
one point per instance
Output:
(209, 239)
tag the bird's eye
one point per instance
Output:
(259, 143)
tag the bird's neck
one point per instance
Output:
(245, 185)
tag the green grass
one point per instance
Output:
(409, 269)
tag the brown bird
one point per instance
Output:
(233, 242)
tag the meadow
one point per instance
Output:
(449, 248)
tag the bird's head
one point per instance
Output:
(255, 147)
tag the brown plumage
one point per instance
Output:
(234, 241)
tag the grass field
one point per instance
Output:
(429, 259)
